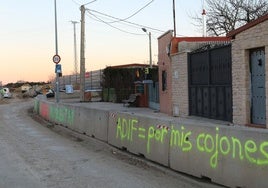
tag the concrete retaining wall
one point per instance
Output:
(232, 156)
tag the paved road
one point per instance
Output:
(34, 155)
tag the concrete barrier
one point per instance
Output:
(230, 155)
(140, 135)
(92, 122)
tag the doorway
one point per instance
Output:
(258, 97)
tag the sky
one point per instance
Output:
(27, 34)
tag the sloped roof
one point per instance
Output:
(233, 33)
(134, 65)
(177, 40)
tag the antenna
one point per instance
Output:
(204, 19)
(174, 18)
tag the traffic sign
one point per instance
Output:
(56, 59)
(58, 68)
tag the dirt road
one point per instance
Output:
(34, 154)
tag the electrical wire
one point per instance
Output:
(111, 20)
(79, 4)
(76, 3)
(128, 22)
(99, 19)
(135, 13)
(89, 2)
(116, 20)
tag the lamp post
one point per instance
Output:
(150, 45)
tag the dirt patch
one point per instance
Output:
(15, 99)
(91, 143)
(4, 101)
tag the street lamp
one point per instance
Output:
(150, 45)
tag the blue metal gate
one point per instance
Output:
(258, 99)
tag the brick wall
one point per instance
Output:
(180, 99)
(164, 65)
(254, 37)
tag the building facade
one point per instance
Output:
(173, 70)
(164, 72)
(250, 85)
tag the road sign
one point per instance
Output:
(58, 68)
(56, 59)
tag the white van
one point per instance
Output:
(6, 93)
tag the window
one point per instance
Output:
(164, 80)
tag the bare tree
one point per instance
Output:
(51, 78)
(224, 16)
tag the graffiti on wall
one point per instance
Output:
(215, 145)
(60, 114)
(44, 110)
(36, 106)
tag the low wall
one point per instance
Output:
(232, 156)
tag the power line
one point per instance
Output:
(135, 13)
(89, 2)
(99, 19)
(131, 23)
(76, 3)
(109, 22)
(79, 4)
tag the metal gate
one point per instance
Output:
(258, 99)
(153, 95)
(210, 83)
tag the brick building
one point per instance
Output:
(249, 49)
(173, 70)
(248, 70)
(164, 70)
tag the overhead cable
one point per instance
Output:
(89, 2)
(99, 19)
(134, 13)
(131, 23)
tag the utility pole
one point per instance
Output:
(82, 55)
(56, 48)
(174, 18)
(75, 52)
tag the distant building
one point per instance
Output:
(25, 87)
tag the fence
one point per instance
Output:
(93, 80)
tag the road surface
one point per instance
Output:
(34, 154)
